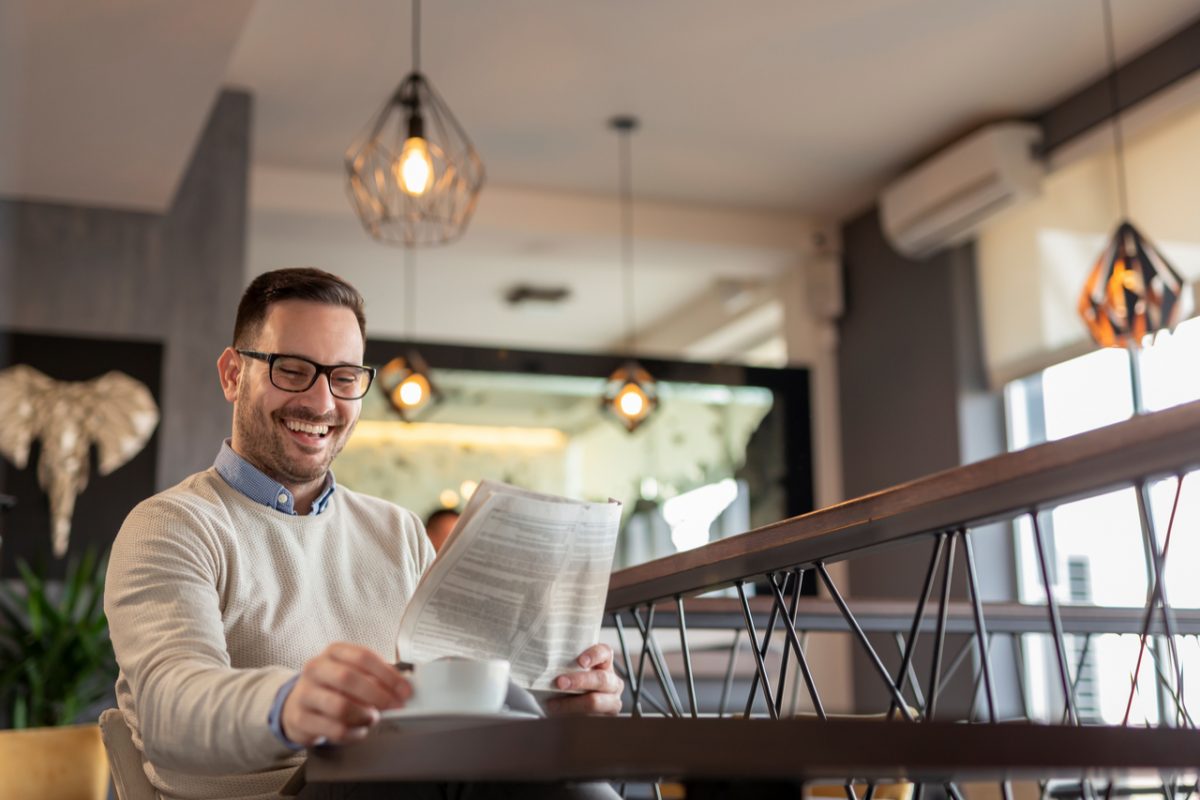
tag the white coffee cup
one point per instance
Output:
(456, 685)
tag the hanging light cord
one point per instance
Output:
(416, 35)
(625, 158)
(410, 293)
(1118, 138)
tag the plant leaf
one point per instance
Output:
(20, 713)
(56, 657)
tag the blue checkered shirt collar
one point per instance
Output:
(250, 481)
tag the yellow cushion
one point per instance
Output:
(65, 763)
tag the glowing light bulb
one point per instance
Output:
(416, 166)
(631, 401)
(630, 395)
(412, 392)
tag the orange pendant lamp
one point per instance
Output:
(1132, 289)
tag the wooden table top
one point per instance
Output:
(623, 748)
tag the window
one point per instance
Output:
(1096, 547)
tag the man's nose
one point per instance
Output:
(320, 394)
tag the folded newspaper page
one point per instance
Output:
(523, 576)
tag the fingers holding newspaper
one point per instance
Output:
(523, 577)
(339, 695)
(601, 688)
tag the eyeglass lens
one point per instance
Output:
(297, 375)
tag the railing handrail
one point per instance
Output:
(1144, 447)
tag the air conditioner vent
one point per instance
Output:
(945, 200)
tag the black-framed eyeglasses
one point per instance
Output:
(298, 374)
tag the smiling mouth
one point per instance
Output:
(312, 429)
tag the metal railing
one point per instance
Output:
(940, 512)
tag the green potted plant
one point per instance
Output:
(56, 662)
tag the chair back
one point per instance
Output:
(124, 759)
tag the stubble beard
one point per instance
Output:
(266, 445)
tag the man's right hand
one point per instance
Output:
(339, 695)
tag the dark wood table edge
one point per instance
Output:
(713, 749)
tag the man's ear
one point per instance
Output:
(229, 368)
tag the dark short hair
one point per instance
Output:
(438, 514)
(293, 283)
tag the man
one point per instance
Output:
(438, 526)
(254, 607)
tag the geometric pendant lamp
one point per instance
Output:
(1132, 290)
(630, 393)
(406, 379)
(414, 176)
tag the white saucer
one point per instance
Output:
(449, 719)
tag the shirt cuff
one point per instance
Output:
(275, 718)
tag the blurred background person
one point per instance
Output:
(438, 526)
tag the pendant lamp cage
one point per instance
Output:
(1132, 290)
(413, 176)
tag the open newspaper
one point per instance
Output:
(523, 576)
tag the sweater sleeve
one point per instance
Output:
(194, 712)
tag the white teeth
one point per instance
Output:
(306, 427)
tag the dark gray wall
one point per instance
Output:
(914, 401)
(204, 254)
(172, 278)
(897, 362)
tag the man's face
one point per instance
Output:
(268, 422)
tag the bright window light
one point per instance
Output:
(1086, 393)
(1096, 545)
(692, 514)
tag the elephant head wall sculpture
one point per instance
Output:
(115, 412)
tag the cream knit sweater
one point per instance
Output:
(215, 601)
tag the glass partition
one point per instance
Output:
(727, 450)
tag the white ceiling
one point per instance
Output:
(102, 103)
(552, 239)
(804, 105)
(763, 121)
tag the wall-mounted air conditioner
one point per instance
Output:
(944, 200)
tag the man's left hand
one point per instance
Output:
(600, 685)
